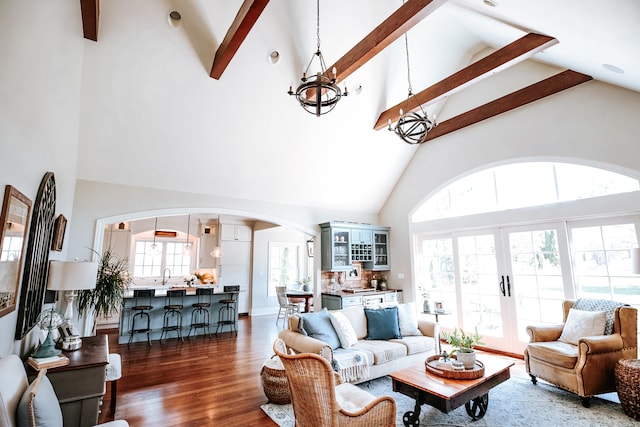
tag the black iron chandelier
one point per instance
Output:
(318, 94)
(412, 127)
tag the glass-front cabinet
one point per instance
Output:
(345, 243)
(380, 258)
(336, 255)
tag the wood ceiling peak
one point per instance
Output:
(511, 54)
(247, 16)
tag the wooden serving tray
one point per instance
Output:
(468, 374)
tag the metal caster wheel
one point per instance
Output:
(477, 407)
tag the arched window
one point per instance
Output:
(522, 185)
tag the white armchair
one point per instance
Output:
(32, 404)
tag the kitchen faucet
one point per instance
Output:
(164, 282)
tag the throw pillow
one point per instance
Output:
(408, 320)
(318, 325)
(39, 405)
(382, 323)
(344, 330)
(582, 324)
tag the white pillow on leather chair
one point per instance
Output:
(582, 324)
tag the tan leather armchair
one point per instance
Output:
(585, 369)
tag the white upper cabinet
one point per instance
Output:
(236, 232)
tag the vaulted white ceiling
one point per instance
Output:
(151, 116)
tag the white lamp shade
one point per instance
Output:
(635, 260)
(72, 276)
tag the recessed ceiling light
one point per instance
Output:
(273, 57)
(491, 3)
(175, 19)
(358, 89)
(613, 68)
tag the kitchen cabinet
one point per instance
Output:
(335, 248)
(237, 232)
(235, 269)
(380, 258)
(344, 243)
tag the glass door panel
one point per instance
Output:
(480, 299)
(436, 276)
(536, 281)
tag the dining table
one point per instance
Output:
(307, 295)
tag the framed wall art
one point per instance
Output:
(14, 221)
(59, 229)
(355, 273)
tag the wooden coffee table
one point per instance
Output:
(448, 394)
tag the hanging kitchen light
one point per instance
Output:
(318, 94)
(154, 249)
(187, 248)
(412, 127)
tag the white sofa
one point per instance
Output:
(368, 358)
(23, 404)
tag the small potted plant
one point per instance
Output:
(464, 345)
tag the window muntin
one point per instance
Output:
(148, 265)
(284, 265)
(521, 185)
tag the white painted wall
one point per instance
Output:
(41, 57)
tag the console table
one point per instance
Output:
(80, 384)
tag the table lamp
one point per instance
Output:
(71, 276)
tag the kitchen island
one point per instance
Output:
(157, 312)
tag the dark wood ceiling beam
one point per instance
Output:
(534, 92)
(511, 54)
(247, 16)
(90, 18)
(398, 23)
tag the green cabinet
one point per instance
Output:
(380, 258)
(336, 254)
(345, 243)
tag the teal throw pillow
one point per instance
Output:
(318, 325)
(382, 323)
(39, 405)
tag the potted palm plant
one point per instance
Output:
(112, 280)
(464, 345)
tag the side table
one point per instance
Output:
(437, 313)
(627, 374)
(80, 384)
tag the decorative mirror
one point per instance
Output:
(14, 221)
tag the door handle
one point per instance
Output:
(502, 285)
(508, 286)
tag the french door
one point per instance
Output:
(498, 280)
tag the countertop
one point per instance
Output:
(343, 293)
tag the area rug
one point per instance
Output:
(516, 402)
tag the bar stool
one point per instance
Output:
(227, 313)
(141, 312)
(200, 313)
(173, 312)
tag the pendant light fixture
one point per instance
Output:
(217, 251)
(154, 250)
(412, 127)
(187, 248)
(318, 94)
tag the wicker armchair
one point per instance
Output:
(585, 369)
(320, 398)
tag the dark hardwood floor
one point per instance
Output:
(201, 382)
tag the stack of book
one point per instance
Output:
(48, 362)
